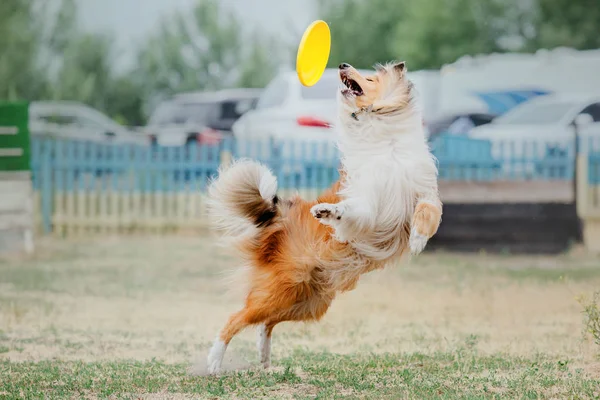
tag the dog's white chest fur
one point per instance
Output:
(386, 167)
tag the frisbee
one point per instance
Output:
(313, 53)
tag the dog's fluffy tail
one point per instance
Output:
(242, 199)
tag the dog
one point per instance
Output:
(300, 253)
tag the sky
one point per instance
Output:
(130, 21)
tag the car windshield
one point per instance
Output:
(324, 89)
(93, 117)
(536, 113)
(181, 113)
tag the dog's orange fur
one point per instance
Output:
(283, 282)
(286, 283)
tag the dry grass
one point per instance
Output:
(105, 300)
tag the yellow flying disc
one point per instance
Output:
(313, 53)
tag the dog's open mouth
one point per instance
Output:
(352, 87)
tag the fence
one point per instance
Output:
(93, 187)
(463, 158)
(588, 179)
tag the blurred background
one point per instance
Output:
(140, 102)
(124, 58)
(115, 114)
(147, 98)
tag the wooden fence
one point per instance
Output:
(85, 187)
(588, 192)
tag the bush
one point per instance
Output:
(591, 315)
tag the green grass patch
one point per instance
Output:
(307, 375)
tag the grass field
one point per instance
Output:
(133, 317)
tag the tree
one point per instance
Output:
(362, 32)
(20, 76)
(430, 33)
(206, 51)
(124, 100)
(258, 65)
(81, 66)
(571, 23)
(436, 32)
(85, 72)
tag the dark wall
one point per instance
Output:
(516, 228)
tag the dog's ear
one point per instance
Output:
(400, 66)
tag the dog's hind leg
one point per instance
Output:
(235, 324)
(264, 343)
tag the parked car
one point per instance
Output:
(199, 117)
(544, 119)
(288, 110)
(541, 128)
(459, 124)
(64, 119)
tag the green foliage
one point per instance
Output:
(45, 55)
(362, 31)
(306, 375)
(591, 314)
(208, 52)
(85, 73)
(59, 24)
(568, 23)
(20, 76)
(124, 101)
(430, 33)
(258, 68)
(433, 33)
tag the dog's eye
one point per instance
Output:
(370, 80)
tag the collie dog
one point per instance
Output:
(302, 253)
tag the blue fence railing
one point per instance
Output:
(76, 165)
(67, 165)
(75, 169)
(464, 158)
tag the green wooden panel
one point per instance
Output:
(14, 137)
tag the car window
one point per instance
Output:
(181, 113)
(326, 88)
(240, 107)
(57, 119)
(274, 94)
(229, 110)
(88, 123)
(479, 119)
(593, 110)
(201, 113)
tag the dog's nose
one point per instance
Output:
(344, 66)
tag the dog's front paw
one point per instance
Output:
(327, 213)
(417, 241)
